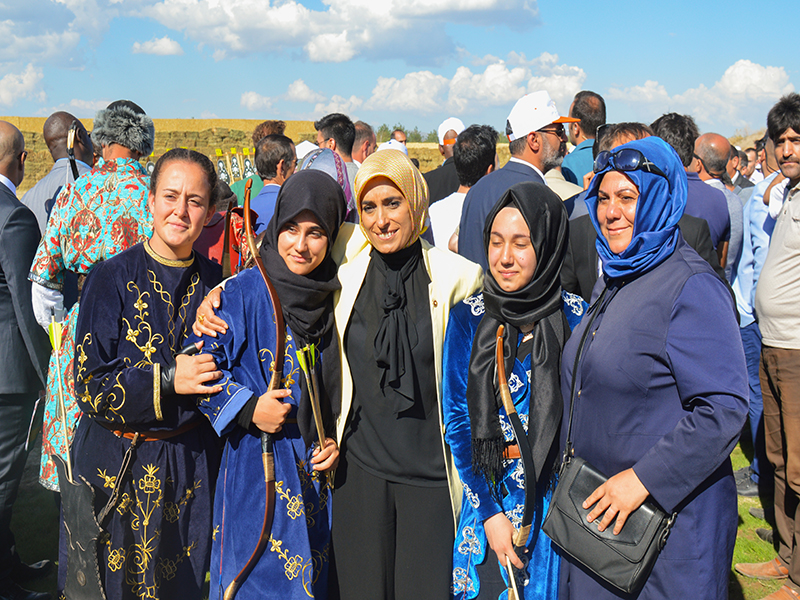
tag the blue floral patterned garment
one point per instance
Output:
(471, 546)
(295, 562)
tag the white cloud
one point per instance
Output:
(561, 81)
(418, 92)
(339, 104)
(89, 105)
(651, 92)
(207, 114)
(745, 89)
(495, 86)
(255, 101)
(746, 79)
(498, 84)
(159, 46)
(298, 91)
(15, 86)
(330, 47)
(341, 30)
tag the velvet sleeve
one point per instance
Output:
(711, 379)
(109, 386)
(457, 350)
(229, 351)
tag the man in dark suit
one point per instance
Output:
(581, 268)
(443, 180)
(536, 134)
(24, 353)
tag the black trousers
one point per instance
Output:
(15, 414)
(391, 541)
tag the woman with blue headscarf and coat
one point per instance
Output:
(661, 388)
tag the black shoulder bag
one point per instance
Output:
(623, 560)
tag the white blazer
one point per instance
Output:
(453, 278)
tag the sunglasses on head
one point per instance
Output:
(626, 159)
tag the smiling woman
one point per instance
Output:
(391, 318)
(139, 395)
(658, 406)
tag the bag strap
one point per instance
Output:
(598, 307)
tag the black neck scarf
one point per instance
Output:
(307, 300)
(397, 334)
(538, 302)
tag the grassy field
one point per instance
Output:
(35, 524)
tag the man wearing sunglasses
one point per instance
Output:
(536, 135)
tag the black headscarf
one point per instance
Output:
(537, 302)
(307, 300)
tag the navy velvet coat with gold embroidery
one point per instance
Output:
(136, 311)
(295, 563)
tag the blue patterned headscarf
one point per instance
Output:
(660, 206)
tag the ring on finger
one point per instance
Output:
(201, 318)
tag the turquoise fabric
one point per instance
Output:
(471, 547)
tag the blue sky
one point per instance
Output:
(413, 62)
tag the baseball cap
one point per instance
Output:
(532, 112)
(452, 123)
(393, 145)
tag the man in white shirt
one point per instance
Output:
(475, 155)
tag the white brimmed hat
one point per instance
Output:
(453, 123)
(532, 112)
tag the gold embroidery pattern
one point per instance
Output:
(294, 504)
(182, 330)
(143, 328)
(290, 370)
(112, 400)
(108, 480)
(172, 510)
(167, 300)
(184, 307)
(294, 566)
(312, 509)
(143, 570)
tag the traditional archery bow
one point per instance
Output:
(275, 382)
(517, 577)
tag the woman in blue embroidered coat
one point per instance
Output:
(662, 380)
(135, 316)
(296, 253)
(525, 239)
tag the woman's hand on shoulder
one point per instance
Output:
(271, 411)
(618, 497)
(193, 373)
(500, 535)
(206, 321)
(325, 459)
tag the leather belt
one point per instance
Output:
(511, 451)
(150, 436)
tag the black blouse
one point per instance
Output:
(405, 446)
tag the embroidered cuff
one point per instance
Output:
(157, 391)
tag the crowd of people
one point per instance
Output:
(378, 401)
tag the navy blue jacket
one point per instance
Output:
(663, 390)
